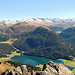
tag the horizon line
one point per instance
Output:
(37, 17)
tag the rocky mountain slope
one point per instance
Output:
(5, 65)
(43, 42)
(49, 68)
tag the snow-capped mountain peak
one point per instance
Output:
(29, 19)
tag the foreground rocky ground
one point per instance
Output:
(49, 68)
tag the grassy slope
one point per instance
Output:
(73, 71)
(40, 66)
(68, 62)
(10, 41)
(4, 66)
(9, 56)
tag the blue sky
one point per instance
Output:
(16, 9)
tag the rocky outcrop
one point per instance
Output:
(17, 71)
(49, 68)
(52, 68)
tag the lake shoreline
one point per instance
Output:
(26, 58)
(10, 56)
(19, 54)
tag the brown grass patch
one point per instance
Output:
(4, 66)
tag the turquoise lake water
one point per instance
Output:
(33, 60)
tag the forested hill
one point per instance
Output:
(43, 42)
(69, 35)
(5, 49)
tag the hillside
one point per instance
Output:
(14, 30)
(5, 49)
(4, 66)
(43, 42)
(69, 36)
(56, 29)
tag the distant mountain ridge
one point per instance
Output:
(29, 19)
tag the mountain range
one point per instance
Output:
(38, 38)
(57, 21)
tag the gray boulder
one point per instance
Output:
(18, 70)
(24, 69)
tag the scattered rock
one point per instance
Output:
(49, 68)
(24, 69)
(18, 70)
(6, 72)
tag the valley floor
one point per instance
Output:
(9, 56)
(68, 62)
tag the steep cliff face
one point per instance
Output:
(49, 68)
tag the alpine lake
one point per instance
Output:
(33, 60)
